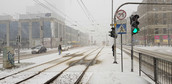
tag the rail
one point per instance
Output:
(157, 66)
(159, 70)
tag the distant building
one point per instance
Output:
(37, 29)
(43, 27)
(155, 23)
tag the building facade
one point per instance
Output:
(36, 29)
(155, 23)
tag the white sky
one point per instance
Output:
(100, 10)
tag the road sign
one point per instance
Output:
(121, 14)
(121, 28)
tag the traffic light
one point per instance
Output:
(134, 24)
(112, 33)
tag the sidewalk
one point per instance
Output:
(109, 73)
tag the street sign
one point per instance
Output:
(121, 29)
(121, 14)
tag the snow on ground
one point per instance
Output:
(103, 72)
(28, 51)
(57, 69)
(36, 61)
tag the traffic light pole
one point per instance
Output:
(114, 37)
(131, 32)
(131, 50)
(121, 55)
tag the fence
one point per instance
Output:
(159, 70)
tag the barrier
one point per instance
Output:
(159, 70)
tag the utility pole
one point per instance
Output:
(114, 37)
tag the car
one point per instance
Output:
(64, 47)
(38, 49)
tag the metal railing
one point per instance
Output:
(159, 70)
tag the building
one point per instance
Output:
(155, 23)
(36, 29)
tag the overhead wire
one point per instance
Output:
(59, 10)
(72, 21)
(38, 2)
(87, 13)
(45, 6)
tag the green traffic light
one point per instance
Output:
(135, 30)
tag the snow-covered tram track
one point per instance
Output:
(42, 67)
(73, 64)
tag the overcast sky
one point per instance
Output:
(99, 10)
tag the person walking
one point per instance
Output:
(113, 49)
(59, 49)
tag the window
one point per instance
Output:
(35, 29)
(164, 15)
(170, 30)
(156, 31)
(47, 29)
(25, 31)
(155, 20)
(164, 21)
(156, 15)
(164, 30)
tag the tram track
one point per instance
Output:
(43, 70)
(73, 64)
(19, 72)
(27, 56)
